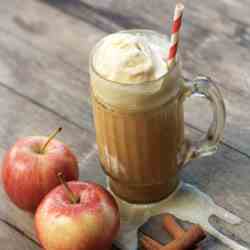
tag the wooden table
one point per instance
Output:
(44, 47)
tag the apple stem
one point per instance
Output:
(50, 138)
(72, 197)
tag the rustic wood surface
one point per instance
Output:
(44, 47)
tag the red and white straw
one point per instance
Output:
(175, 34)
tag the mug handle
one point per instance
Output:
(208, 144)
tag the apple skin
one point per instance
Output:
(91, 224)
(28, 175)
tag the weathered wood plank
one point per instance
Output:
(50, 75)
(10, 239)
(207, 53)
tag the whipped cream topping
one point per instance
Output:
(130, 58)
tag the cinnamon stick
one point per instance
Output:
(183, 240)
(150, 244)
(190, 238)
(174, 229)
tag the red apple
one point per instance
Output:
(90, 221)
(30, 168)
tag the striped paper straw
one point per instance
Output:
(175, 34)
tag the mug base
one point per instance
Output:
(143, 194)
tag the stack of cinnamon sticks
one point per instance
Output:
(182, 240)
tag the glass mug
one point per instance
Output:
(140, 129)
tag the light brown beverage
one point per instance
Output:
(140, 132)
(138, 150)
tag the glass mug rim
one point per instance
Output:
(127, 84)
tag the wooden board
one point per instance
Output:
(81, 24)
(11, 239)
(44, 47)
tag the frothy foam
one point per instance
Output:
(121, 65)
(131, 58)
